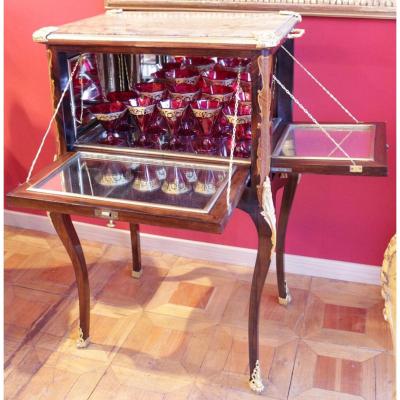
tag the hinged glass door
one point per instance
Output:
(348, 149)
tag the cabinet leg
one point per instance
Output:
(135, 242)
(66, 231)
(289, 191)
(260, 273)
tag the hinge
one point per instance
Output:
(356, 169)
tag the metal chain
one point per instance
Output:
(67, 87)
(321, 86)
(313, 119)
(233, 143)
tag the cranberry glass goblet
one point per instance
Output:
(176, 182)
(245, 81)
(243, 149)
(142, 109)
(200, 63)
(146, 179)
(124, 97)
(172, 110)
(109, 115)
(233, 64)
(218, 93)
(121, 96)
(184, 91)
(114, 174)
(206, 112)
(171, 65)
(182, 75)
(206, 183)
(243, 120)
(154, 90)
(219, 77)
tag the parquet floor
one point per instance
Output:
(180, 332)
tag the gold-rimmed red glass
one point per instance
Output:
(182, 75)
(206, 112)
(141, 109)
(109, 115)
(199, 63)
(219, 77)
(233, 64)
(154, 90)
(173, 111)
(184, 91)
(219, 93)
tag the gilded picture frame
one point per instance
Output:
(382, 9)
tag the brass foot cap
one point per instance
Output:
(255, 382)
(258, 388)
(82, 343)
(284, 301)
(137, 274)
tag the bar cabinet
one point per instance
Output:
(171, 116)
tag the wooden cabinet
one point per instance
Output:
(173, 118)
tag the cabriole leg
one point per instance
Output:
(260, 273)
(66, 231)
(289, 191)
(135, 242)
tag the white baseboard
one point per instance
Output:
(310, 266)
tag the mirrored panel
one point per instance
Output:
(162, 103)
(142, 181)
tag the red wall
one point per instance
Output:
(344, 218)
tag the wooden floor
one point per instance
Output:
(180, 332)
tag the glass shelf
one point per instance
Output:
(134, 180)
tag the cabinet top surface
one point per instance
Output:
(177, 29)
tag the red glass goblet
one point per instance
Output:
(200, 63)
(218, 93)
(175, 182)
(245, 81)
(184, 91)
(223, 146)
(114, 174)
(124, 97)
(146, 179)
(142, 109)
(182, 75)
(171, 65)
(243, 149)
(243, 120)
(205, 145)
(244, 98)
(109, 115)
(206, 112)
(121, 96)
(206, 183)
(86, 82)
(219, 77)
(172, 110)
(159, 76)
(154, 90)
(233, 64)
